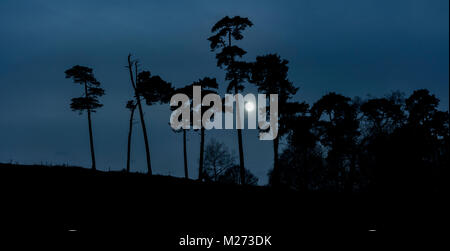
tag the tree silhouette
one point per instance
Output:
(388, 145)
(301, 164)
(133, 79)
(421, 107)
(89, 102)
(207, 86)
(131, 105)
(217, 160)
(269, 74)
(186, 172)
(338, 127)
(381, 119)
(153, 89)
(426, 152)
(187, 90)
(382, 114)
(226, 30)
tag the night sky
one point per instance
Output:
(357, 48)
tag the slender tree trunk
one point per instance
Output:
(144, 131)
(276, 171)
(202, 147)
(141, 115)
(186, 175)
(241, 148)
(239, 133)
(91, 138)
(129, 140)
(241, 157)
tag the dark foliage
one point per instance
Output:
(84, 76)
(269, 73)
(237, 72)
(153, 88)
(386, 145)
(228, 28)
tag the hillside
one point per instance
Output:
(161, 208)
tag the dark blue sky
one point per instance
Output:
(352, 47)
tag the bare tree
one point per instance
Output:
(217, 159)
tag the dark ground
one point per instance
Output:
(161, 209)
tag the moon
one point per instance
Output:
(249, 106)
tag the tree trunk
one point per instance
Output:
(239, 133)
(276, 171)
(129, 140)
(91, 138)
(241, 157)
(144, 131)
(241, 148)
(202, 147)
(141, 115)
(186, 175)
